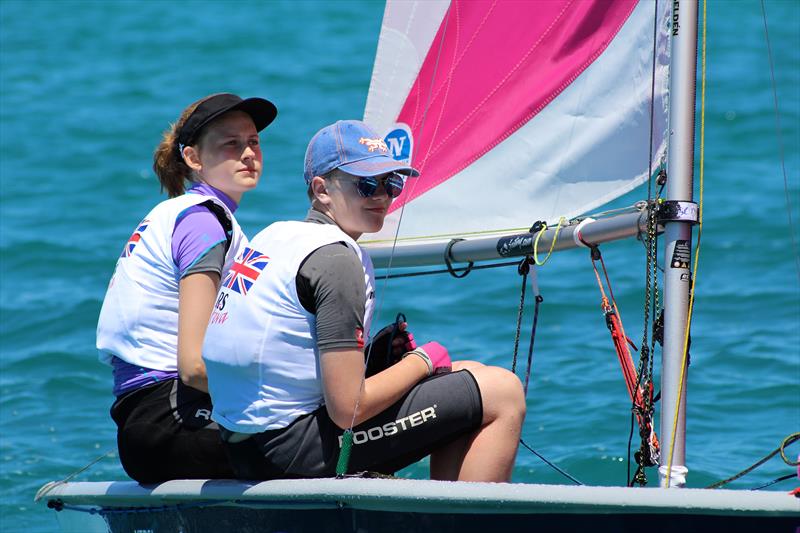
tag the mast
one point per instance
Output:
(681, 214)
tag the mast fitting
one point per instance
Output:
(678, 211)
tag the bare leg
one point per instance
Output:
(446, 461)
(466, 365)
(488, 454)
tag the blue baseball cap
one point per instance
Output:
(353, 147)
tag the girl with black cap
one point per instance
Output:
(163, 290)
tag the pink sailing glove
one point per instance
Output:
(435, 356)
(410, 344)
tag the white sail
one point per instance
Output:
(519, 111)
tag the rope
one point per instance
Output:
(523, 269)
(645, 369)
(780, 449)
(83, 468)
(550, 464)
(693, 282)
(611, 307)
(652, 99)
(347, 436)
(641, 395)
(59, 505)
(628, 461)
(536, 261)
(787, 441)
(774, 481)
(538, 300)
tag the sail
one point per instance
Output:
(516, 111)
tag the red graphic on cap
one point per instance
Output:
(374, 144)
(360, 337)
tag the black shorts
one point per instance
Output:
(165, 431)
(435, 412)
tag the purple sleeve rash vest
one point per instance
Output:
(198, 245)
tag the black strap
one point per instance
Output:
(448, 260)
(224, 220)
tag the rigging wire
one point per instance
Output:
(693, 282)
(778, 130)
(552, 465)
(81, 469)
(347, 436)
(636, 207)
(57, 504)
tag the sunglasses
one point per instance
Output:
(392, 184)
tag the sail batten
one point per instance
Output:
(521, 111)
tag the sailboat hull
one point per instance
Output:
(414, 505)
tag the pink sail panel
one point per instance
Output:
(471, 92)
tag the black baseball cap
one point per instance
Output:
(262, 111)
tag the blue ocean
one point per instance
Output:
(87, 87)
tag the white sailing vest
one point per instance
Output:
(139, 319)
(260, 349)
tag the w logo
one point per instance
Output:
(399, 142)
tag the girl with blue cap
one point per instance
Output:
(285, 351)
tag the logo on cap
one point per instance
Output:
(374, 144)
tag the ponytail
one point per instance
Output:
(168, 163)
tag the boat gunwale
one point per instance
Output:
(423, 496)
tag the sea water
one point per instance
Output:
(86, 89)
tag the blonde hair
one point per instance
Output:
(168, 163)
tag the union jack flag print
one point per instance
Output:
(135, 238)
(245, 270)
